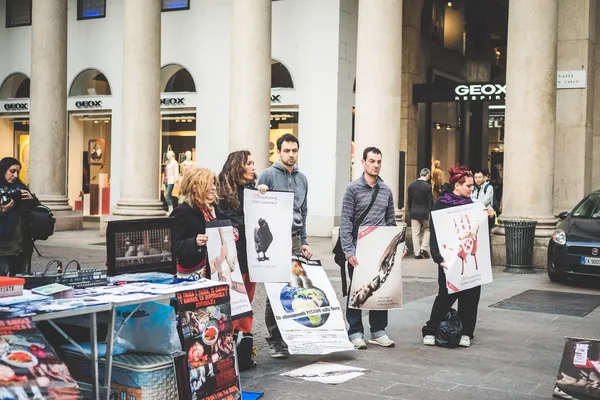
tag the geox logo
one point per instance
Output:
(480, 92)
(175, 101)
(16, 107)
(89, 104)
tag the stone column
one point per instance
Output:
(596, 101)
(250, 90)
(141, 110)
(378, 77)
(528, 190)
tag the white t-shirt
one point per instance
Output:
(172, 172)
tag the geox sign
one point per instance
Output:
(488, 92)
(89, 104)
(445, 92)
(172, 102)
(16, 107)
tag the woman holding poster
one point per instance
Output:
(239, 173)
(461, 181)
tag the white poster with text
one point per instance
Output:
(463, 238)
(307, 310)
(268, 218)
(377, 281)
(224, 265)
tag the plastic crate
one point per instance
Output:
(134, 376)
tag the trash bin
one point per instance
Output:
(520, 236)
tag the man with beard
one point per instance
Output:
(367, 202)
(285, 176)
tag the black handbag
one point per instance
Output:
(338, 253)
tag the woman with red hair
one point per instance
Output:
(459, 193)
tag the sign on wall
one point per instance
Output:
(88, 103)
(472, 91)
(14, 106)
(571, 79)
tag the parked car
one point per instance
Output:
(574, 248)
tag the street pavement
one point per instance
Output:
(515, 354)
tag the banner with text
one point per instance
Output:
(464, 242)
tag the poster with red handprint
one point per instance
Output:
(463, 239)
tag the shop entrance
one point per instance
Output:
(284, 107)
(14, 120)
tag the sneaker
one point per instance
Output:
(429, 340)
(465, 341)
(419, 257)
(276, 350)
(383, 341)
(425, 254)
(359, 343)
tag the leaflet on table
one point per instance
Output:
(205, 321)
(29, 367)
(307, 310)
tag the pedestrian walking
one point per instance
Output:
(420, 202)
(368, 201)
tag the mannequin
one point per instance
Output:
(187, 164)
(172, 170)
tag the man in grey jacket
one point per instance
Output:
(285, 176)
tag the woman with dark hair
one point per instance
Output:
(461, 182)
(238, 174)
(16, 246)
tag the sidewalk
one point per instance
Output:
(515, 354)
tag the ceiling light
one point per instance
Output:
(189, 120)
(176, 120)
(437, 126)
(106, 122)
(449, 4)
(448, 128)
(96, 121)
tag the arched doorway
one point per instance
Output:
(90, 140)
(284, 106)
(178, 127)
(14, 119)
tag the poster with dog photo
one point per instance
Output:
(307, 310)
(464, 242)
(377, 282)
(268, 218)
(224, 265)
(205, 322)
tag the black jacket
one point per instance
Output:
(420, 200)
(236, 216)
(189, 223)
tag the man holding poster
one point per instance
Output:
(367, 202)
(459, 246)
(285, 176)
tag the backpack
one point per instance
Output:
(41, 223)
(449, 331)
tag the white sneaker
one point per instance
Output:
(429, 340)
(383, 341)
(465, 341)
(359, 343)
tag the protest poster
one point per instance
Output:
(377, 282)
(224, 265)
(29, 367)
(579, 371)
(307, 310)
(268, 218)
(205, 321)
(326, 372)
(463, 239)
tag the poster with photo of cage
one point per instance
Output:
(142, 245)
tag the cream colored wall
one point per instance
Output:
(7, 141)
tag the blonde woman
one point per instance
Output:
(198, 195)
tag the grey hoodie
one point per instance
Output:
(276, 177)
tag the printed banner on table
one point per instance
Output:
(307, 310)
(29, 367)
(377, 282)
(205, 320)
(224, 265)
(579, 371)
(268, 218)
(463, 238)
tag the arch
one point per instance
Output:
(90, 82)
(176, 78)
(280, 76)
(15, 86)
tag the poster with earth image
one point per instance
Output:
(307, 310)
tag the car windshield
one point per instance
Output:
(589, 208)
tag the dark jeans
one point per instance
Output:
(12, 265)
(378, 319)
(274, 335)
(169, 194)
(468, 301)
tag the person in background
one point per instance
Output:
(420, 201)
(285, 176)
(199, 194)
(483, 193)
(437, 180)
(239, 173)
(461, 180)
(357, 198)
(16, 246)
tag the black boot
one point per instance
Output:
(244, 344)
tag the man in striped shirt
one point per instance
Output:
(357, 198)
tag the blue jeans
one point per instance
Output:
(169, 194)
(378, 319)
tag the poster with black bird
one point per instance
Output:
(268, 218)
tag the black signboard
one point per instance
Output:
(458, 92)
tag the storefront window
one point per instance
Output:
(18, 13)
(91, 9)
(178, 136)
(445, 140)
